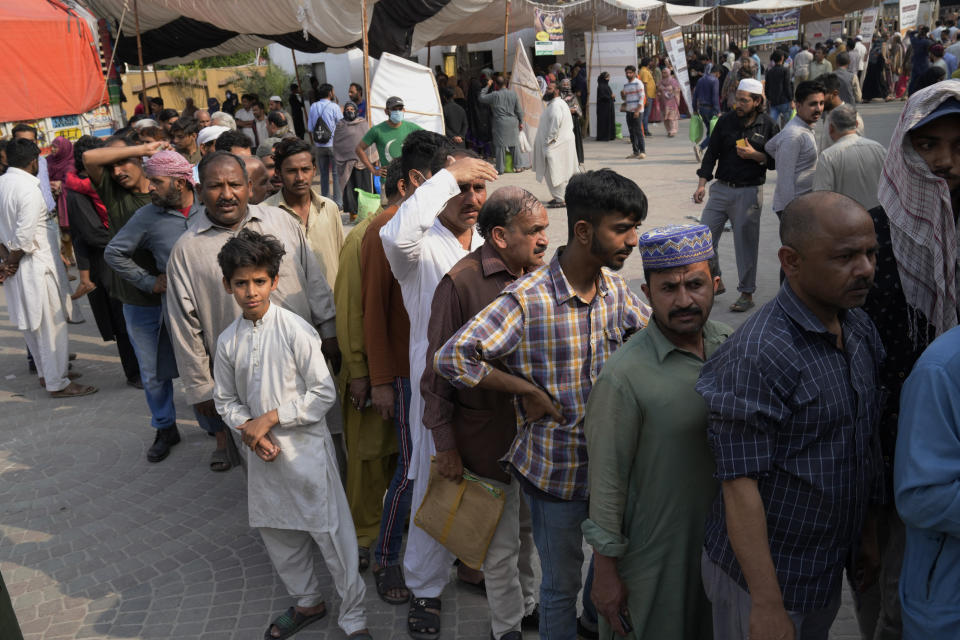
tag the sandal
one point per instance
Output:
(364, 562)
(220, 461)
(71, 375)
(389, 579)
(290, 622)
(73, 390)
(742, 304)
(424, 615)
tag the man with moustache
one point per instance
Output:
(736, 148)
(319, 216)
(473, 428)
(914, 302)
(117, 173)
(651, 471)
(431, 231)
(153, 230)
(552, 332)
(795, 149)
(197, 306)
(554, 150)
(794, 402)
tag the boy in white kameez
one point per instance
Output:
(272, 385)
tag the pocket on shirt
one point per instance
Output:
(614, 335)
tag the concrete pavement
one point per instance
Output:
(98, 543)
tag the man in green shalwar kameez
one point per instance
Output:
(651, 470)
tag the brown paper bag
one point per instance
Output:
(461, 516)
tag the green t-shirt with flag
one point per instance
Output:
(389, 140)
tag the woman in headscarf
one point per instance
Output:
(669, 95)
(213, 105)
(896, 57)
(566, 92)
(59, 164)
(353, 175)
(606, 114)
(875, 82)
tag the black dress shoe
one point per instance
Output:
(164, 439)
(135, 383)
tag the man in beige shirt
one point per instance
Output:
(198, 307)
(318, 216)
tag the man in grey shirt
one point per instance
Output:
(507, 118)
(199, 309)
(795, 148)
(853, 164)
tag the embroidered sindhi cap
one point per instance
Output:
(676, 245)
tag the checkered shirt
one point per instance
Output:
(790, 409)
(541, 330)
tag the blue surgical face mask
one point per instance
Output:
(396, 117)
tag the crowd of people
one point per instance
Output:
(725, 480)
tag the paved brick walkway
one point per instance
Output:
(97, 543)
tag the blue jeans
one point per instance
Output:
(324, 165)
(778, 111)
(646, 116)
(556, 532)
(143, 327)
(396, 503)
(210, 425)
(707, 114)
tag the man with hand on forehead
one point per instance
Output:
(473, 428)
(152, 231)
(651, 471)
(433, 229)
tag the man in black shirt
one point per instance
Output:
(455, 118)
(777, 89)
(736, 148)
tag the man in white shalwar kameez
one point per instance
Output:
(34, 297)
(272, 383)
(431, 232)
(554, 150)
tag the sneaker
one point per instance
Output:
(631, 156)
(641, 156)
(164, 439)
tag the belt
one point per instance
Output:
(736, 185)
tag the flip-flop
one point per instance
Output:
(290, 622)
(220, 462)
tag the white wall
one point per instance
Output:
(612, 51)
(341, 68)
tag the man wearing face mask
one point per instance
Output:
(388, 136)
(153, 230)
(431, 232)
(198, 308)
(554, 150)
(473, 428)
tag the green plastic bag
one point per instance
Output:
(619, 135)
(713, 123)
(508, 162)
(367, 204)
(696, 128)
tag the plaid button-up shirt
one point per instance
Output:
(790, 409)
(541, 330)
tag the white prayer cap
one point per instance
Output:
(276, 99)
(145, 122)
(751, 85)
(211, 133)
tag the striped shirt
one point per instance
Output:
(542, 331)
